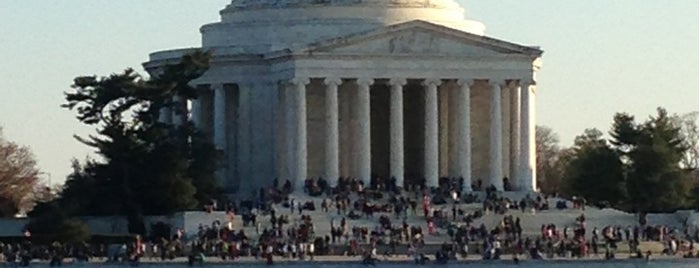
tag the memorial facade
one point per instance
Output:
(404, 89)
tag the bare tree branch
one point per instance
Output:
(690, 135)
(18, 177)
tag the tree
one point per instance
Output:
(595, 170)
(18, 177)
(74, 232)
(46, 218)
(548, 154)
(146, 166)
(562, 182)
(625, 133)
(656, 182)
(690, 134)
(640, 167)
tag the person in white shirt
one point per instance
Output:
(311, 250)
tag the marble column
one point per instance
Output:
(219, 117)
(453, 145)
(300, 139)
(205, 103)
(344, 99)
(443, 130)
(364, 132)
(505, 97)
(244, 140)
(515, 138)
(282, 137)
(179, 111)
(289, 133)
(496, 135)
(396, 129)
(197, 113)
(219, 123)
(332, 152)
(464, 132)
(431, 133)
(528, 141)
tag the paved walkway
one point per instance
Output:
(356, 259)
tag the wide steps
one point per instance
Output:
(531, 221)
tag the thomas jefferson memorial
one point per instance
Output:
(403, 89)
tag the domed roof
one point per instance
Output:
(253, 4)
(259, 26)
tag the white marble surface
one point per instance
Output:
(496, 135)
(259, 45)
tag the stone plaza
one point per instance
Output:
(402, 89)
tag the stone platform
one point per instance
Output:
(531, 221)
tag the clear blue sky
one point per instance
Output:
(601, 57)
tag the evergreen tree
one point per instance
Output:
(638, 169)
(625, 133)
(595, 170)
(655, 180)
(146, 167)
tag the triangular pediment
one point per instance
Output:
(420, 37)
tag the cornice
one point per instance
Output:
(249, 23)
(420, 25)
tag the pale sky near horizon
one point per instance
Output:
(601, 57)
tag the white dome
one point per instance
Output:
(250, 4)
(258, 26)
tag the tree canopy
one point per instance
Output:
(595, 170)
(689, 130)
(638, 169)
(656, 181)
(18, 177)
(548, 160)
(145, 167)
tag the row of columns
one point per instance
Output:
(295, 128)
(178, 113)
(296, 139)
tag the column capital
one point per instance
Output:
(432, 81)
(215, 86)
(334, 81)
(398, 82)
(364, 81)
(297, 81)
(527, 82)
(527, 85)
(497, 82)
(511, 83)
(466, 81)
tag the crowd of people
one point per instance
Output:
(397, 221)
(292, 233)
(389, 208)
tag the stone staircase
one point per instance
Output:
(531, 221)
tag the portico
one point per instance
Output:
(411, 101)
(461, 89)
